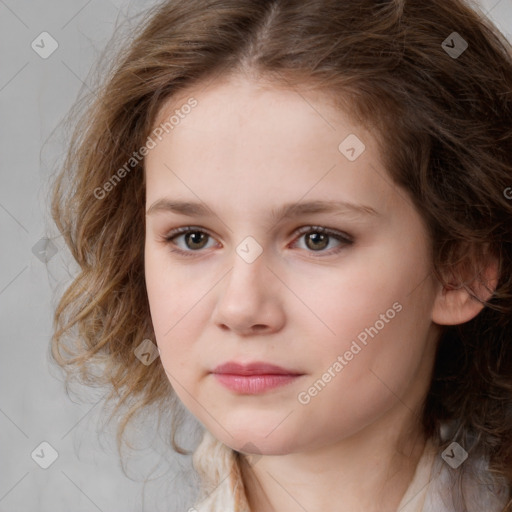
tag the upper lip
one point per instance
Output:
(255, 368)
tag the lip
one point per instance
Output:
(255, 368)
(253, 378)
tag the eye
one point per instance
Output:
(318, 238)
(191, 239)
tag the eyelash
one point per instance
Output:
(344, 238)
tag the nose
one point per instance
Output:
(249, 301)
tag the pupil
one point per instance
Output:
(315, 238)
(194, 239)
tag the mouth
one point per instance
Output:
(253, 378)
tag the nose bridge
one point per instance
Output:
(248, 298)
(246, 274)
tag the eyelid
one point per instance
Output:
(185, 229)
(327, 231)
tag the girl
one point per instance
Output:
(306, 207)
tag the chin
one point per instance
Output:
(257, 438)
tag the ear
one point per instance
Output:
(460, 300)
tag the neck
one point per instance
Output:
(369, 472)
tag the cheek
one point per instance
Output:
(375, 358)
(166, 289)
(158, 290)
(376, 317)
(176, 304)
(344, 303)
(356, 382)
(162, 292)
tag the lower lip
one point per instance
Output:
(253, 384)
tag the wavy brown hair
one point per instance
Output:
(444, 127)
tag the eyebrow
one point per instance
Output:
(289, 210)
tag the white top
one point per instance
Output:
(434, 486)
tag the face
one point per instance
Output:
(335, 292)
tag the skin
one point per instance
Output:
(245, 149)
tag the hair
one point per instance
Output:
(443, 125)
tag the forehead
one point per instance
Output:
(250, 90)
(243, 138)
(238, 110)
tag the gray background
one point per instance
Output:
(35, 94)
